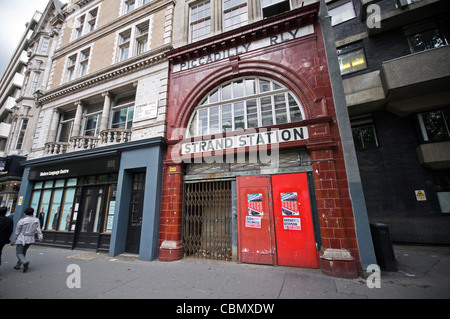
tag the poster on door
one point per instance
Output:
(292, 223)
(289, 204)
(255, 205)
(252, 222)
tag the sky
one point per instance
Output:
(14, 14)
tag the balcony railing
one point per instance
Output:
(56, 148)
(79, 143)
(115, 136)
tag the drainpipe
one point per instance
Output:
(363, 235)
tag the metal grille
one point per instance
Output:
(207, 220)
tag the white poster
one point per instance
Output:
(252, 222)
(145, 111)
(292, 223)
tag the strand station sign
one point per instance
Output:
(245, 48)
(260, 138)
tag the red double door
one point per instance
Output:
(275, 224)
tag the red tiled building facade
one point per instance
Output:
(288, 52)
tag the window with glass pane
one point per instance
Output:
(79, 27)
(426, 40)
(71, 67)
(227, 124)
(435, 125)
(342, 13)
(351, 58)
(234, 14)
(123, 118)
(92, 19)
(200, 21)
(252, 114)
(242, 104)
(129, 5)
(142, 37)
(274, 7)
(92, 125)
(239, 116)
(84, 62)
(364, 134)
(23, 129)
(65, 128)
(364, 137)
(67, 209)
(55, 210)
(214, 120)
(124, 47)
(44, 208)
(35, 198)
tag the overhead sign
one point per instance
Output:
(246, 140)
(251, 46)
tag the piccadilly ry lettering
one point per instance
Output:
(269, 41)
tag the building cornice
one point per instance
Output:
(255, 31)
(108, 74)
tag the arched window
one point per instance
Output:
(244, 103)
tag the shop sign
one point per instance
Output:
(246, 140)
(251, 46)
(55, 172)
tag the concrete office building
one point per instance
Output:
(394, 63)
(17, 85)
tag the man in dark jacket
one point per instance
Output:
(6, 229)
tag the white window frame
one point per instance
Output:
(35, 82)
(234, 7)
(342, 13)
(21, 134)
(85, 22)
(135, 38)
(86, 117)
(198, 20)
(75, 63)
(125, 5)
(274, 89)
(45, 46)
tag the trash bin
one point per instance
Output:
(383, 246)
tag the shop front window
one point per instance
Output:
(242, 104)
(57, 203)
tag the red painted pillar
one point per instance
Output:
(335, 212)
(171, 246)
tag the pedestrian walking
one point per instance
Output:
(6, 229)
(24, 236)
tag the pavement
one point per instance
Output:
(57, 273)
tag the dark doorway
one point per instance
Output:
(135, 215)
(207, 220)
(93, 200)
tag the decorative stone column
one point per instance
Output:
(52, 133)
(106, 111)
(78, 118)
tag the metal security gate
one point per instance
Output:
(207, 220)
